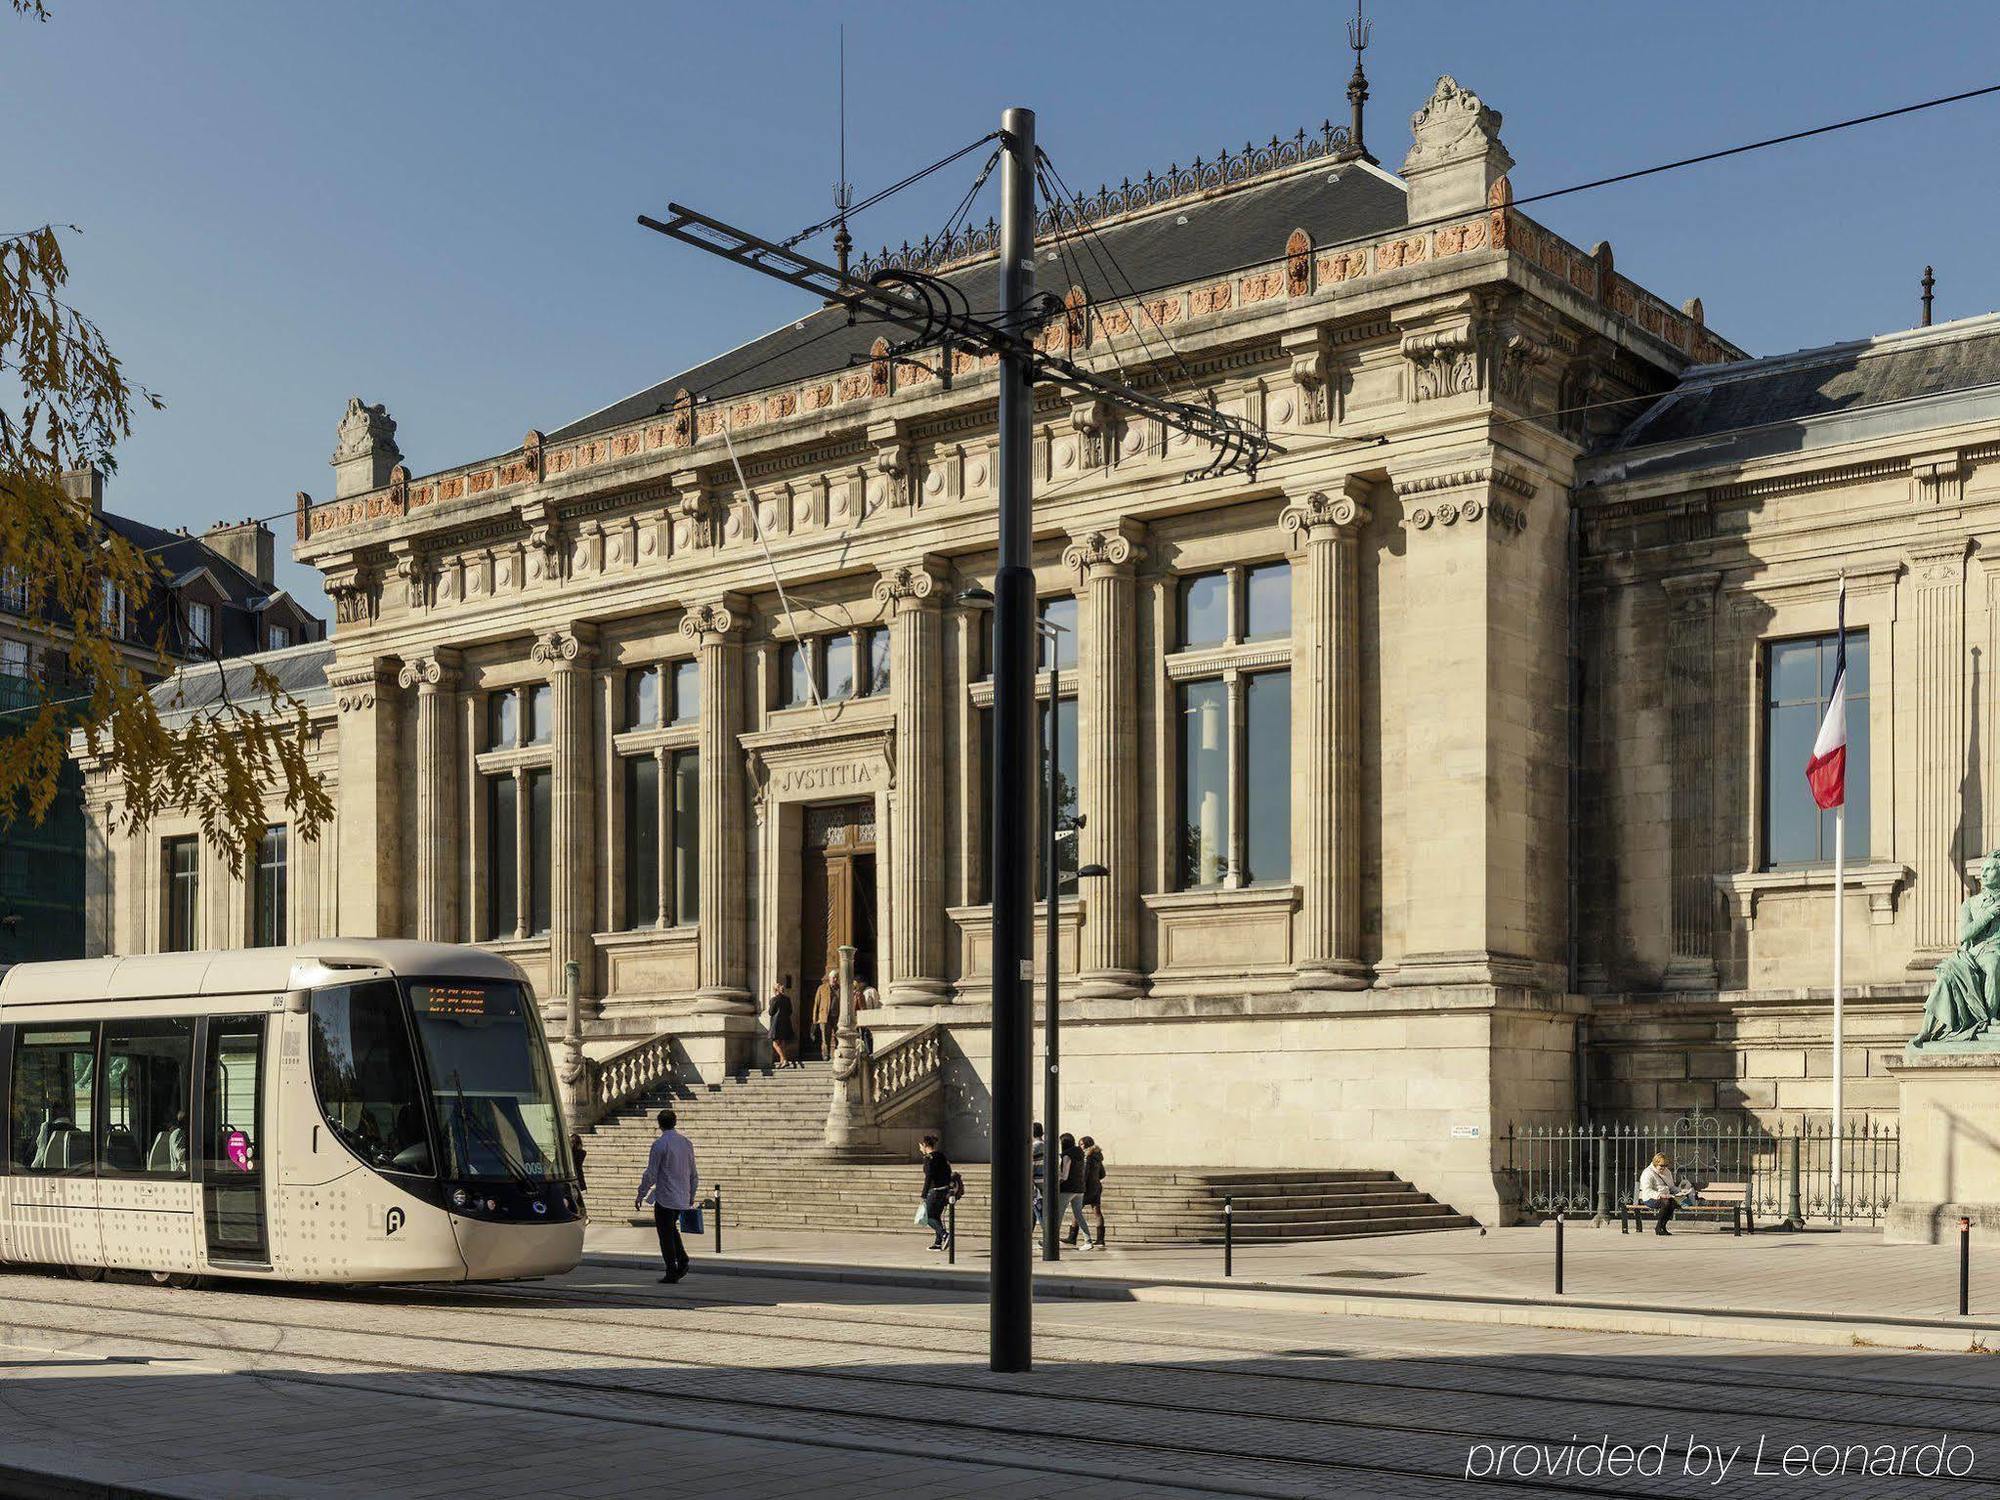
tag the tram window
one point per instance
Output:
(54, 1099)
(367, 1078)
(144, 1129)
(496, 1100)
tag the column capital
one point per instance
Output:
(1691, 591)
(715, 621)
(1105, 549)
(570, 649)
(1344, 508)
(1939, 562)
(437, 669)
(912, 585)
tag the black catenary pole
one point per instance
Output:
(1011, 1334)
(1051, 993)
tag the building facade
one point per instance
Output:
(689, 692)
(215, 598)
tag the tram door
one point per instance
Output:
(233, 1142)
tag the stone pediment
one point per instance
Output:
(824, 763)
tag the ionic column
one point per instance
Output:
(370, 824)
(1326, 854)
(914, 597)
(567, 654)
(1691, 720)
(1938, 699)
(1108, 756)
(435, 678)
(724, 897)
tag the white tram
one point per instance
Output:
(350, 1110)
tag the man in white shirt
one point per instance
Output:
(671, 1182)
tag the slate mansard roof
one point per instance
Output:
(299, 670)
(1716, 402)
(1181, 240)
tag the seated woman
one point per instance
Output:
(1965, 996)
(1657, 1190)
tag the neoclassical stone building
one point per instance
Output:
(685, 693)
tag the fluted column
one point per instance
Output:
(435, 677)
(567, 655)
(724, 921)
(1326, 849)
(1690, 678)
(370, 824)
(1108, 755)
(914, 596)
(1938, 575)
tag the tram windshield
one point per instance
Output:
(491, 1089)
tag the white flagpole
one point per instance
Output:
(1839, 953)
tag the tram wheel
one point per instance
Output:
(87, 1273)
(180, 1281)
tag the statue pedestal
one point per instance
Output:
(1950, 1163)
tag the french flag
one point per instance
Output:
(1826, 772)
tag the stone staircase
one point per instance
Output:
(758, 1135)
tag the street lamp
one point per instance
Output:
(980, 599)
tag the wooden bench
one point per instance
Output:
(1717, 1200)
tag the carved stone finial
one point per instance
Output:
(1456, 156)
(364, 449)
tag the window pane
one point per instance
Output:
(503, 721)
(540, 714)
(795, 667)
(1795, 672)
(642, 841)
(1205, 610)
(367, 1078)
(503, 859)
(1267, 772)
(878, 660)
(1797, 831)
(839, 651)
(1268, 606)
(268, 896)
(1060, 612)
(54, 1099)
(539, 853)
(642, 698)
(687, 692)
(490, 1083)
(183, 882)
(981, 781)
(1066, 798)
(148, 1066)
(687, 836)
(1204, 833)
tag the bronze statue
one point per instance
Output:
(1964, 1001)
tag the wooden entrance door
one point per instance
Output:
(837, 902)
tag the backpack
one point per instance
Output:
(957, 1187)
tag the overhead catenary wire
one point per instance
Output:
(895, 187)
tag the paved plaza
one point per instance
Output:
(606, 1383)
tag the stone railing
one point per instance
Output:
(615, 1081)
(906, 1071)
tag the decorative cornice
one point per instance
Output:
(356, 683)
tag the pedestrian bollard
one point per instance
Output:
(1559, 1255)
(718, 1218)
(1228, 1237)
(1964, 1267)
(951, 1232)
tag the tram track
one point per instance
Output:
(280, 1340)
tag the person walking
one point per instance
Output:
(1093, 1190)
(939, 1181)
(576, 1154)
(826, 1012)
(1069, 1189)
(1039, 1152)
(781, 1023)
(670, 1182)
(1657, 1189)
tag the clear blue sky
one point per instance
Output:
(431, 204)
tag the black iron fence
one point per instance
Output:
(1786, 1170)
